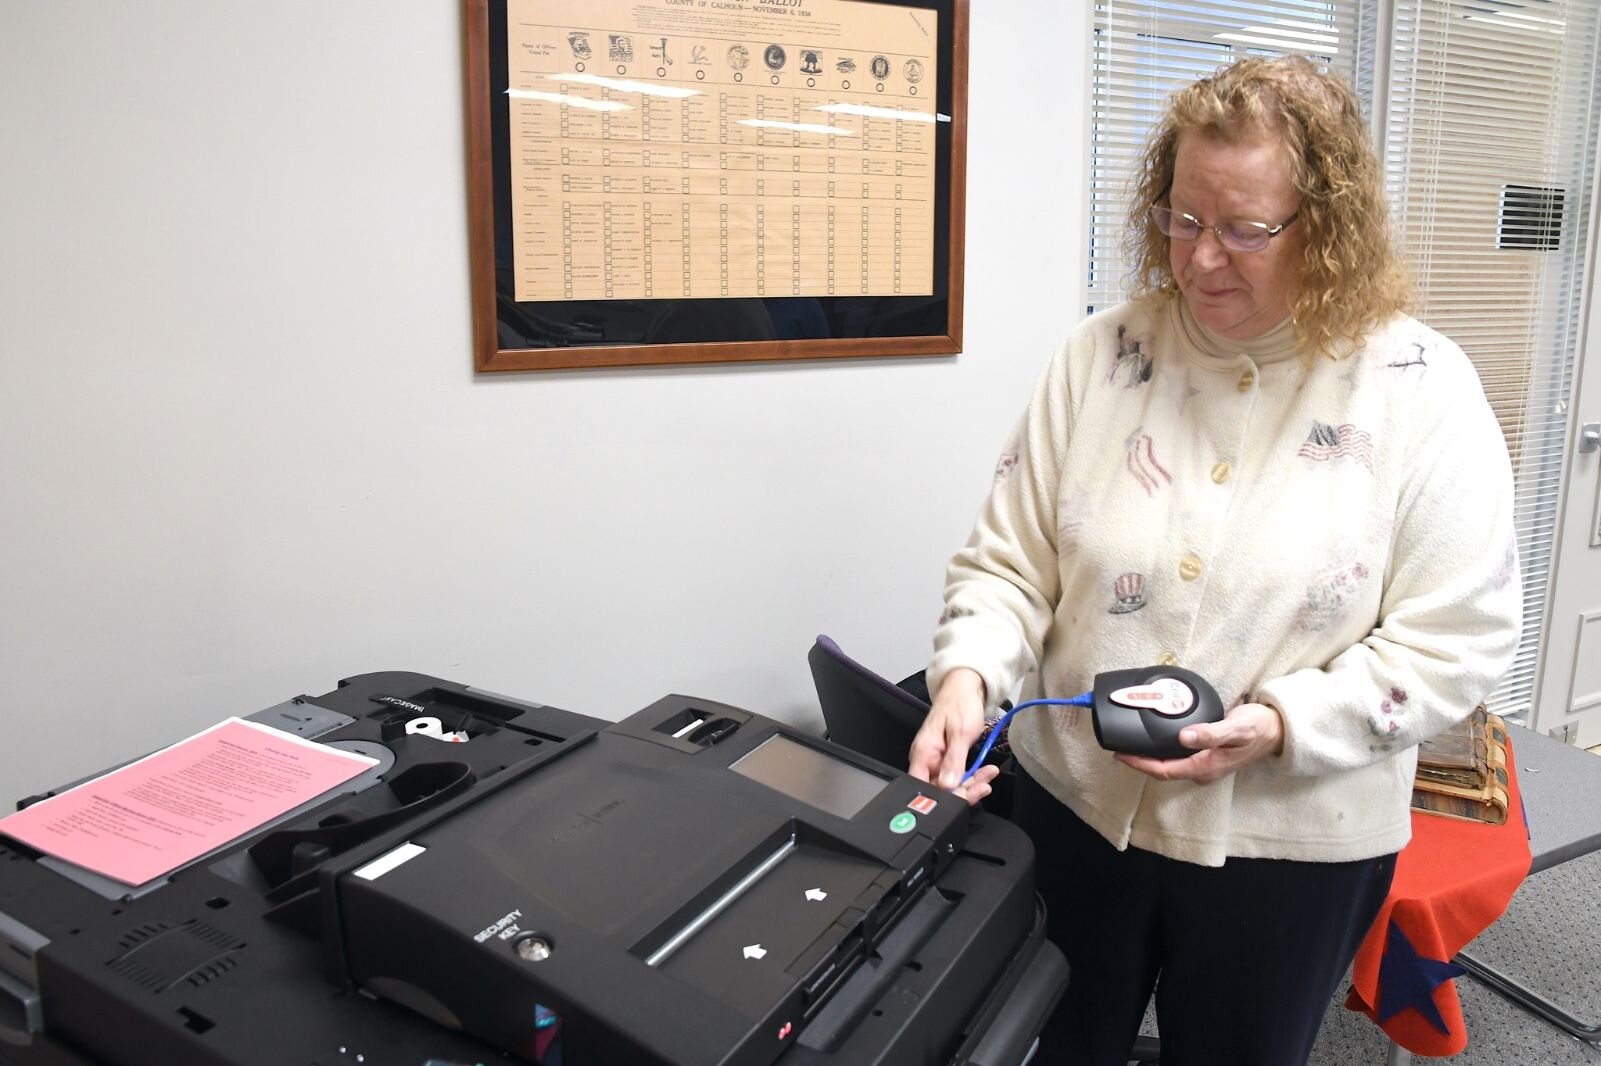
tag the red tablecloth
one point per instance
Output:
(1451, 882)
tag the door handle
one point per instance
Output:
(1589, 437)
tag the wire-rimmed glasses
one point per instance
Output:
(1235, 235)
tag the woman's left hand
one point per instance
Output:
(1249, 732)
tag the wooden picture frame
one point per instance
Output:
(567, 271)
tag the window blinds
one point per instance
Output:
(1489, 156)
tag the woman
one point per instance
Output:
(1260, 469)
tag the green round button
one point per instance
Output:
(903, 822)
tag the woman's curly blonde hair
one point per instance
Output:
(1351, 279)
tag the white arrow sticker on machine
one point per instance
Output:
(754, 951)
(816, 895)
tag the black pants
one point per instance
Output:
(1244, 958)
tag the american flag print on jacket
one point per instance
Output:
(1326, 443)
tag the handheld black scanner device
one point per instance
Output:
(1140, 712)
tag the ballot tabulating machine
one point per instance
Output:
(694, 885)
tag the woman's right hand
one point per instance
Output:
(954, 722)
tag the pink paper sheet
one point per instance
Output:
(150, 817)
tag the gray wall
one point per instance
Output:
(243, 453)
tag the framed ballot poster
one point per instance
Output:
(705, 181)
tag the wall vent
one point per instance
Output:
(1531, 219)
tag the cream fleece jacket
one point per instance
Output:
(1333, 538)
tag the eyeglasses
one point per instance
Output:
(1235, 236)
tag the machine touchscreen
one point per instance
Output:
(809, 775)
